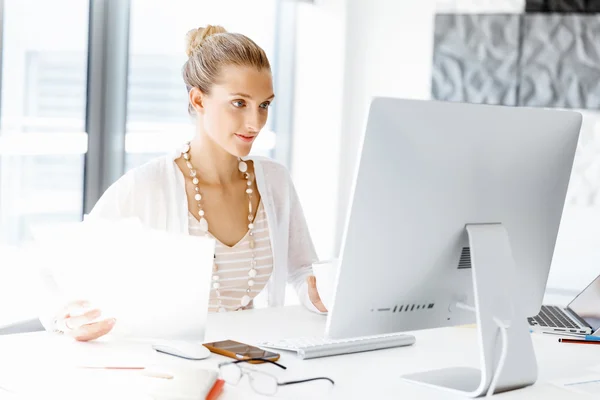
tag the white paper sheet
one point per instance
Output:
(155, 284)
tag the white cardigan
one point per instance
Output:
(155, 193)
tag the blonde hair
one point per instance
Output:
(210, 49)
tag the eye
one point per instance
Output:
(238, 103)
(265, 105)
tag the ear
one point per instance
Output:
(196, 100)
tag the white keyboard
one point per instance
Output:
(313, 347)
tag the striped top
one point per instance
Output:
(233, 263)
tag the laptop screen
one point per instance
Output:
(587, 304)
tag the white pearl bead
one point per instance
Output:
(252, 273)
(215, 277)
(249, 183)
(201, 212)
(242, 166)
(249, 191)
(198, 196)
(250, 283)
(245, 300)
(216, 285)
(250, 226)
(186, 148)
(189, 165)
(186, 156)
(195, 181)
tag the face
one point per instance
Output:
(236, 109)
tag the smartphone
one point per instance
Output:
(240, 351)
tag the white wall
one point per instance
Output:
(348, 52)
(576, 260)
(388, 53)
(318, 111)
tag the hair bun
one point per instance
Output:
(195, 37)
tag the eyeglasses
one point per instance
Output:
(261, 382)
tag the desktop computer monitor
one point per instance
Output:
(454, 206)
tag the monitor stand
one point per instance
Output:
(506, 353)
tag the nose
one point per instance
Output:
(255, 121)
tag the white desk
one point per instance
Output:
(372, 375)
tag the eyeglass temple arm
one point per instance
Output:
(259, 359)
(306, 380)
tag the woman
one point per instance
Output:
(210, 187)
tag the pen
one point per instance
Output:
(124, 368)
(157, 374)
(569, 334)
(578, 341)
(146, 372)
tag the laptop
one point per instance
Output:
(580, 317)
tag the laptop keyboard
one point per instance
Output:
(552, 316)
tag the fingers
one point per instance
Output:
(313, 294)
(83, 319)
(73, 308)
(80, 326)
(92, 331)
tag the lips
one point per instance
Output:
(245, 138)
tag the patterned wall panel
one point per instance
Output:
(564, 6)
(560, 61)
(475, 58)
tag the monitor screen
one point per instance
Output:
(587, 304)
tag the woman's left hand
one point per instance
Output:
(313, 293)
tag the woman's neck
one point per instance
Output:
(214, 165)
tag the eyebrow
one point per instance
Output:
(250, 97)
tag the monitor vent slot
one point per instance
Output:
(465, 258)
(406, 308)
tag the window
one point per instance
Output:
(42, 139)
(42, 128)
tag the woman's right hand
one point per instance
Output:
(79, 326)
